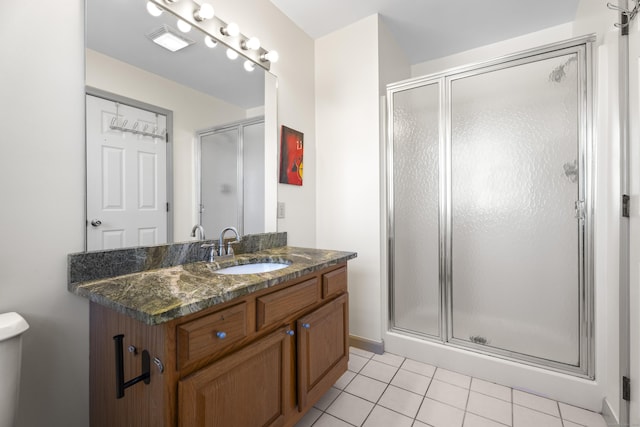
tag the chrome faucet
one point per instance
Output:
(200, 228)
(229, 251)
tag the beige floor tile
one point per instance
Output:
(382, 417)
(360, 352)
(356, 363)
(411, 381)
(489, 407)
(327, 420)
(438, 414)
(491, 389)
(344, 380)
(379, 371)
(451, 377)
(401, 401)
(389, 359)
(309, 418)
(538, 403)
(473, 420)
(351, 409)
(448, 393)
(327, 399)
(366, 388)
(419, 368)
(581, 416)
(525, 417)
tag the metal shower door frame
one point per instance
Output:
(239, 127)
(582, 47)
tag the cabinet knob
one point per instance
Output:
(306, 325)
(290, 333)
(221, 335)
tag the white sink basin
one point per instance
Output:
(259, 267)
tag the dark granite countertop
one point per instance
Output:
(157, 296)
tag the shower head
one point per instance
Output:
(559, 73)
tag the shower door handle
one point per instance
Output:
(579, 207)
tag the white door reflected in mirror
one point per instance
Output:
(126, 176)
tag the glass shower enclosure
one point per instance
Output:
(490, 208)
(231, 176)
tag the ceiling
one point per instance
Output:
(424, 29)
(429, 29)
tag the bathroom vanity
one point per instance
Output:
(220, 350)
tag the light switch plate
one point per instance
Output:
(280, 209)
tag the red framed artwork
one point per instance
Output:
(291, 150)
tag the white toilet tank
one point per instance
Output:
(12, 325)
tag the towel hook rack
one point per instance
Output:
(626, 15)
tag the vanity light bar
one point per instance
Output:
(214, 27)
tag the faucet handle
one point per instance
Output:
(211, 250)
(230, 249)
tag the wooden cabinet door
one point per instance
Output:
(248, 388)
(323, 352)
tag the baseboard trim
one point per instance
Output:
(366, 344)
(608, 414)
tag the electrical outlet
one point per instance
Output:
(280, 209)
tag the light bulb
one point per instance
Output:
(153, 9)
(185, 27)
(249, 66)
(253, 43)
(230, 30)
(271, 56)
(232, 54)
(210, 42)
(205, 12)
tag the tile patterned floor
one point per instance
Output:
(391, 391)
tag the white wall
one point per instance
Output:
(192, 111)
(593, 17)
(348, 84)
(296, 109)
(42, 193)
(42, 171)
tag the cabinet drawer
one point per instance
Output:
(210, 334)
(282, 304)
(334, 282)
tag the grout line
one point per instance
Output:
(513, 421)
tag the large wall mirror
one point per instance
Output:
(136, 90)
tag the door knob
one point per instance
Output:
(96, 223)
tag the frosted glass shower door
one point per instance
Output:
(414, 159)
(219, 185)
(515, 284)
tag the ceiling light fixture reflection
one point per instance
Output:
(204, 12)
(249, 65)
(183, 26)
(253, 43)
(194, 13)
(232, 54)
(210, 42)
(169, 38)
(153, 9)
(230, 30)
(271, 56)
